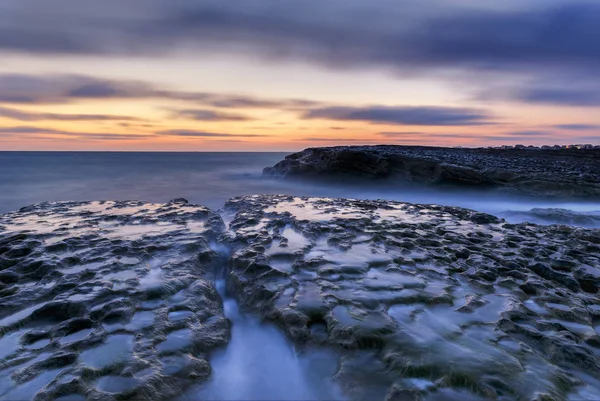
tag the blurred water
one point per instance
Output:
(259, 363)
(208, 178)
(211, 179)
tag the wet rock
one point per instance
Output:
(116, 300)
(464, 305)
(95, 288)
(59, 311)
(398, 393)
(548, 273)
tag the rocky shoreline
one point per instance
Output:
(565, 173)
(105, 300)
(117, 300)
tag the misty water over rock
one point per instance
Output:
(297, 298)
(211, 179)
(590, 219)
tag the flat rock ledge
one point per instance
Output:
(107, 300)
(425, 302)
(551, 173)
(117, 300)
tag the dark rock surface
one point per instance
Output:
(555, 216)
(553, 173)
(107, 300)
(426, 302)
(117, 300)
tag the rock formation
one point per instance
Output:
(107, 300)
(117, 300)
(425, 301)
(553, 173)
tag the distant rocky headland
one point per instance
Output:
(118, 300)
(562, 173)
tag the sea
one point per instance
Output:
(259, 362)
(211, 178)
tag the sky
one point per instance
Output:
(284, 75)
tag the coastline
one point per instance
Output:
(366, 280)
(566, 174)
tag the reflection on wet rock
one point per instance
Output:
(425, 302)
(93, 295)
(387, 300)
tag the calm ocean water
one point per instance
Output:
(205, 178)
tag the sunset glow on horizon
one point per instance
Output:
(258, 76)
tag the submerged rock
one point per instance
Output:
(449, 303)
(555, 173)
(107, 300)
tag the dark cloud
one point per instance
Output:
(36, 131)
(107, 90)
(28, 130)
(390, 134)
(110, 137)
(554, 42)
(426, 135)
(319, 139)
(405, 35)
(209, 115)
(413, 142)
(577, 127)
(57, 89)
(64, 88)
(509, 136)
(512, 139)
(20, 115)
(248, 102)
(561, 96)
(135, 125)
(555, 88)
(433, 116)
(33, 131)
(557, 34)
(530, 133)
(67, 88)
(202, 134)
(516, 138)
(525, 136)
